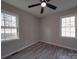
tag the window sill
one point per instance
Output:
(3, 41)
(68, 37)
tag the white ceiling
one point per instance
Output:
(61, 4)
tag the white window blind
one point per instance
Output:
(9, 26)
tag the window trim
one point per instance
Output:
(17, 24)
(64, 16)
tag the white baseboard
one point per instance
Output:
(60, 45)
(18, 50)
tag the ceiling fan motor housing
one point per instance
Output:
(43, 4)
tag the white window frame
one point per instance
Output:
(17, 25)
(69, 15)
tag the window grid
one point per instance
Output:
(68, 26)
(8, 29)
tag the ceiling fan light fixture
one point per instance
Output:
(43, 4)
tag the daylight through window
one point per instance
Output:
(68, 26)
(9, 27)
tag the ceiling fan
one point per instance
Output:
(43, 3)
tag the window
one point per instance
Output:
(68, 26)
(9, 26)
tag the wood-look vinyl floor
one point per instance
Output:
(43, 50)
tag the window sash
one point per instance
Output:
(8, 20)
(8, 33)
(67, 26)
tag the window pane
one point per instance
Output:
(2, 30)
(68, 29)
(8, 33)
(72, 34)
(8, 30)
(67, 24)
(67, 19)
(2, 34)
(63, 24)
(14, 33)
(72, 24)
(14, 21)
(63, 29)
(2, 19)
(73, 29)
(2, 15)
(68, 34)
(73, 19)
(63, 33)
(63, 20)
(8, 20)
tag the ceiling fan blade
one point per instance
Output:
(51, 6)
(40, 0)
(44, 0)
(42, 10)
(34, 5)
(47, 0)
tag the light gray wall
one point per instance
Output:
(28, 30)
(50, 30)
